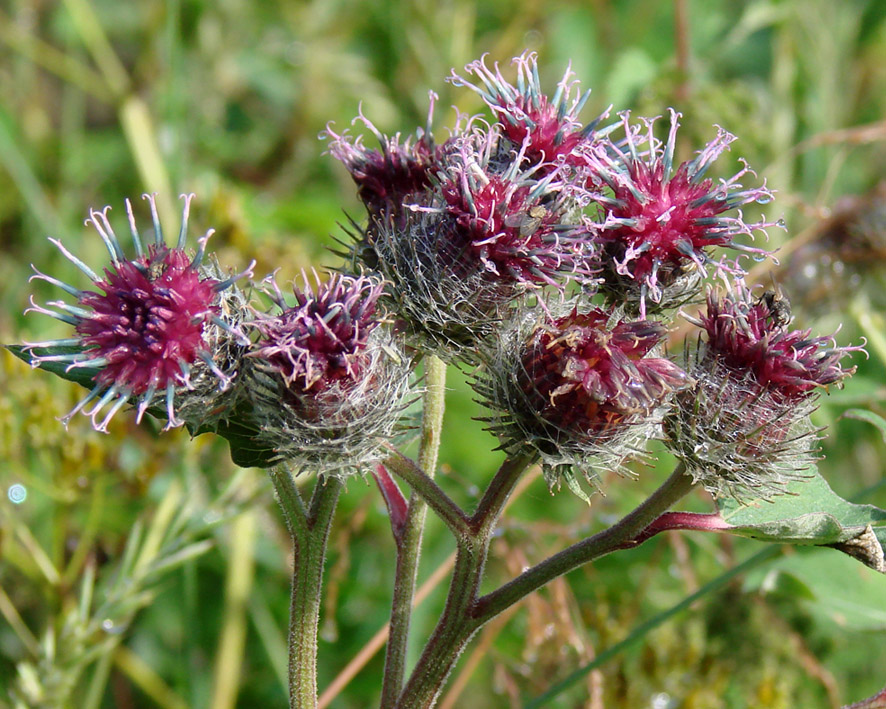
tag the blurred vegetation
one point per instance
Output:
(102, 100)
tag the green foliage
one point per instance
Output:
(810, 513)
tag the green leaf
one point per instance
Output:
(240, 432)
(831, 586)
(247, 451)
(811, 513)
(83, 376)
(869, 416)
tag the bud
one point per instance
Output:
(153, 327)
(660, 222)
(328, 384)
(743, 429)
(580, 388)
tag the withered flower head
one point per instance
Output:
(582, 389)
(389, 176)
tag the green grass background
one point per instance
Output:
(101, 100)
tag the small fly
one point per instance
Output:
(527, 222)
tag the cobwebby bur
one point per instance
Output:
(327, 381)
(743, 428)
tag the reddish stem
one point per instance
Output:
(681, 520)
(396, 503)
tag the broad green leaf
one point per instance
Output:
(831, 586)
(242, 434)
(811, 513)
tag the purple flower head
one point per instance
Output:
(548, 127)
(750, 337)
(459, 256)
(743, 429)
(387, 177)
(660, 221)
(328, 384)
(321, 341)
(512, 222)
(582, 389)
(146, 325)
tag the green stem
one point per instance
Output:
(309, 529)
(294, 512)
(621, 535)
(465, 613)
(409, 540)
(423, 486)
(457, 625)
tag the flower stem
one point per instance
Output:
(457, 624)
(309, 530)
(423, 485)
(465, 613)
(622, 535)
(409, 539)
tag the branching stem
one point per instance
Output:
(424, 490)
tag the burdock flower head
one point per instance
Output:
(583, 389)
(329, 383)
(463, 255)
(547, 129)
(151, 328)
(388, 176)
(743, 429)
(512, 222)
(660, 222)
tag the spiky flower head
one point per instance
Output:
(145, 327)
(743, 429)
(461, 255)
(583, 388)
(329, 384)
(661, 222)
(388, 177)
(547, 129)
(513, 221)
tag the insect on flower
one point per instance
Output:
(146, 326)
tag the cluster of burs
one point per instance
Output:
(549, 256)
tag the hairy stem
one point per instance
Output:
(409, 539)
(309, 530)
(424, 487)
(465, 613)
(457, 624)
(626, 533)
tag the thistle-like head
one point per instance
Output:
(328, 383)
(145, 326)
(548, 127)
(743, 429)
(583, 388)
(662, 221)
(391, 175)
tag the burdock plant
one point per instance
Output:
(549, 255)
